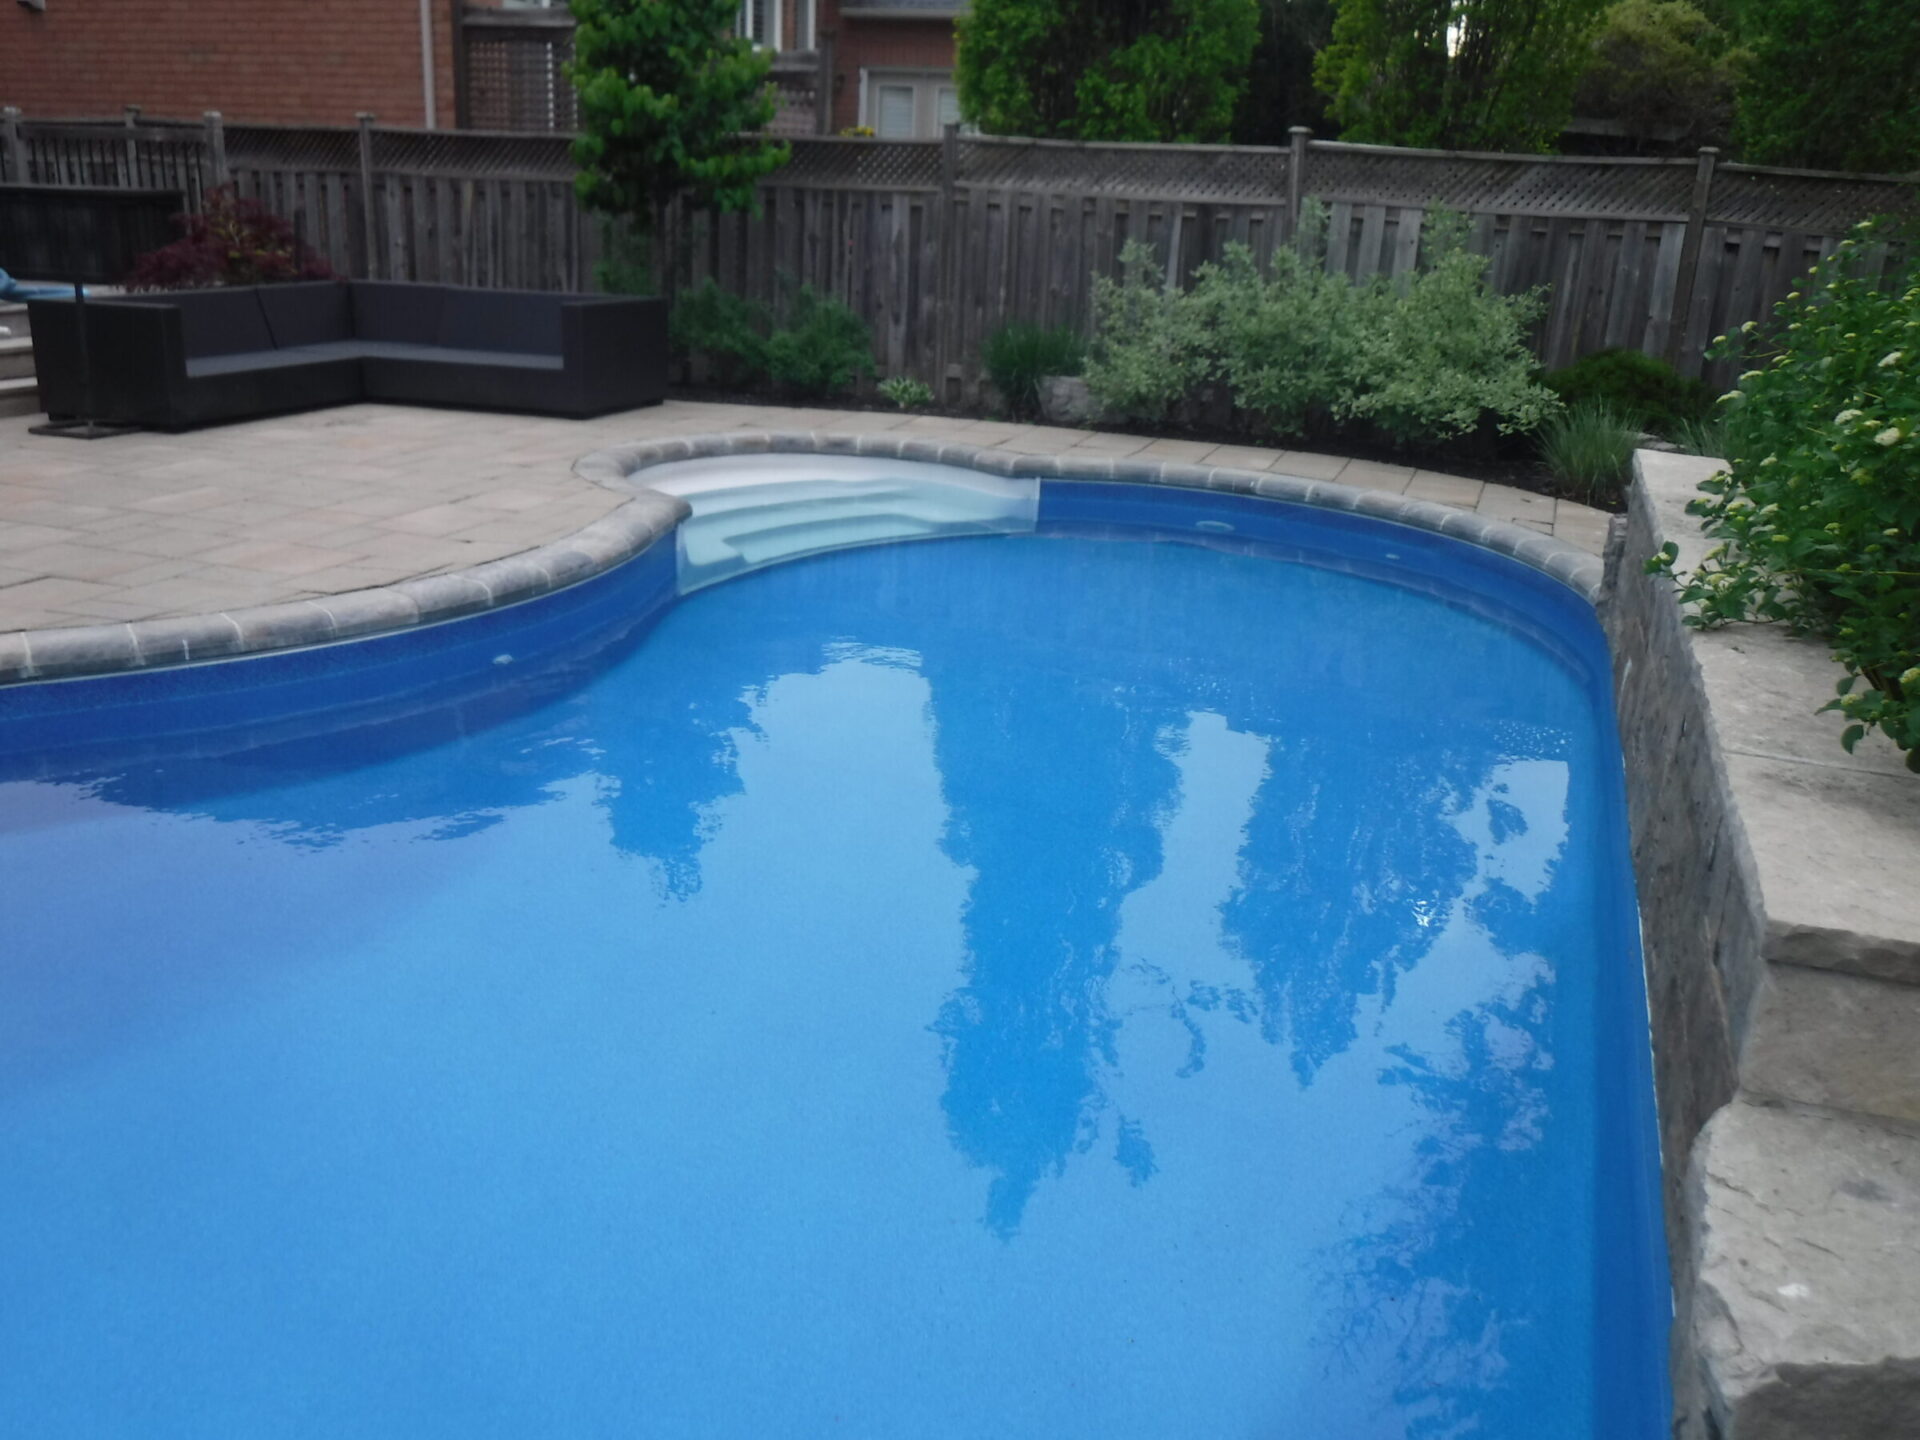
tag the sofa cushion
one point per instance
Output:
(200, 367)
(396, 310)
(454, 355)
(220, 322)
(313, 312)
(507, 321)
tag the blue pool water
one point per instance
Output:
(1131, 981)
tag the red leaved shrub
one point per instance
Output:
(231, 241)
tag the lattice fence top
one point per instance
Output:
(1202, 172)
(874, 164)
(466, 155)
(1818, 204)
(274, 147)
(1487, 183)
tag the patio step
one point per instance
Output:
(16, 356)
(13, 316)
(19, 397)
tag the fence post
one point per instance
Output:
(13, 146)
(216, 146)
(130, 118)
(944, 279)
(1690, 255)
(1296, 175)
(369, 231)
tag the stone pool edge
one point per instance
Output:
(74, 652)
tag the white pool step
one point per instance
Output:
(758, 510)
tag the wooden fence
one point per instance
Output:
(937, 243)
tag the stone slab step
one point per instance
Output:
(16, 357)
(1841, 1041)
(1807, 1251)
(19, 397)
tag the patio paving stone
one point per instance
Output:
(299, 507)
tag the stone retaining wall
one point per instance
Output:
(1779, 885)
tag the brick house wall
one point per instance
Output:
(322, 61)
(258, 61)
(866, 43)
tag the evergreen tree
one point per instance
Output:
(668, 97)
(1168, 70)
(1457, 74)
(1834, 84)
(1666, 72)
(1280, 90)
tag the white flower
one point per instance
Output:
(1889, 436)
(1770, 460)
(1751, 375)
(1846, 417)
(1891, 359)
(1911, 678)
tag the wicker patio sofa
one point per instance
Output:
(192, 357)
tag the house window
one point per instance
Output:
(910, 104)
(896, 112)
(756, 20)
(779, 24)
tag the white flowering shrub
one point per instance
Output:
(1818, 515)
(1425, 359)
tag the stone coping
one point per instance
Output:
(76, 651)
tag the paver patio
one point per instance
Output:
(303, 506)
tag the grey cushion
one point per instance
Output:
(364, 350)
(448, 355)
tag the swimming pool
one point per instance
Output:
(1161, 966)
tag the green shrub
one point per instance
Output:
(821, 347)
(1287, 343)
(1428, 357)
(1018, 356)
(1638, 386)
(1441, 353)
(814, 345)
(728, 331)
(1818, 516)
(1589, 447)
(1150, 349)
(908, 394)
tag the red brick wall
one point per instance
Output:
(879, 44)
(312, 62)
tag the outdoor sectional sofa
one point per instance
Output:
(193, 357)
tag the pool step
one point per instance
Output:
(755, 512)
